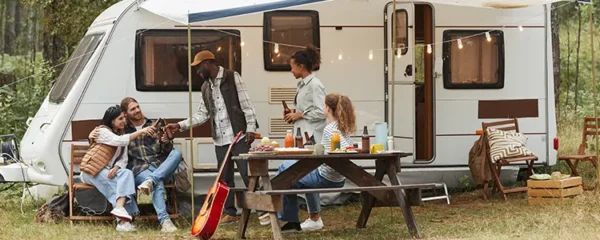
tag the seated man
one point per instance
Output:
(152, 160)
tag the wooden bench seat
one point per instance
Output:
(77, 153)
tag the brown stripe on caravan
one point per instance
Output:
(80, 130)
(517, 108)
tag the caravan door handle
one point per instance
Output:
(408, 71)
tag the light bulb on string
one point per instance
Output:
(340, 55)
(276, 48)
(429, 48)
(520, 27)
(398, 53)
(370, 54)
(460, 46)
(488, 37)
(218, 48)
(242, 43)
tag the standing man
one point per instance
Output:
(225, 100)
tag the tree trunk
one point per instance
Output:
(10, 35)
(577, 60)
(555, 28)
(33, 28)
(568, 75)
(2, 27)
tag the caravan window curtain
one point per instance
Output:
(162, 57)
(478, 64)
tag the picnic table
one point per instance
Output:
(374, 193)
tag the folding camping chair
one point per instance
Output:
(495, 168)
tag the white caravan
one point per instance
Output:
(441, 94)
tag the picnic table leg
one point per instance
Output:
(266, 184)
(243, 225)
(368, 199)
(409, 217)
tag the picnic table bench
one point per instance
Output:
(374, 193)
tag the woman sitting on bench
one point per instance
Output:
(339, 112)
(105, 166)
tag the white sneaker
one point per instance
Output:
(121, 213)
(125, 227)
(146, 186)
(168, 227)
(310, 225)
(264, 219)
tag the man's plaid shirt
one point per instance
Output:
(146, 150)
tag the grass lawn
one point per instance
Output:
(468, 217)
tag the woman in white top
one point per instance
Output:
(310, 95)
(115, 181)
(340, 118)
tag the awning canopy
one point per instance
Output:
(191, 11)
(502, 4)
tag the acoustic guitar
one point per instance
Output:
(207, 221)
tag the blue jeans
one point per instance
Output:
(312, 180)
(159, 177)
(122, 185)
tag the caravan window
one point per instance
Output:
(285, 33)
(161, 57)
(402, 31)
(480, 62)
(74, 66)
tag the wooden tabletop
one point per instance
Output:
(353, 156)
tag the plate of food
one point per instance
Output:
(343, 151)
(293, 151)
(262, 150)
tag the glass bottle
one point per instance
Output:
(289, 139)
(298, 139)
(366, 141)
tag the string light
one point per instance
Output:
(370, 54)
(242, 43)
(488, 37)
(398, 53)
(520, 28)
(429, 48)
(218, 48)
(460, 46)
(340, 55)
(276, 48)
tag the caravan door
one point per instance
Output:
(400, 88)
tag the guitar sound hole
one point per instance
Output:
(208, 203)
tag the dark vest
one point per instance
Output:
(232, 102)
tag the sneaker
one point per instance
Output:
(168, 227)
(146, 186)
(125, 227)
(121, 213)
(291, 227)
(310, 225)
(264, 219)
(226, 220)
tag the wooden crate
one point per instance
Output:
(548, 191)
